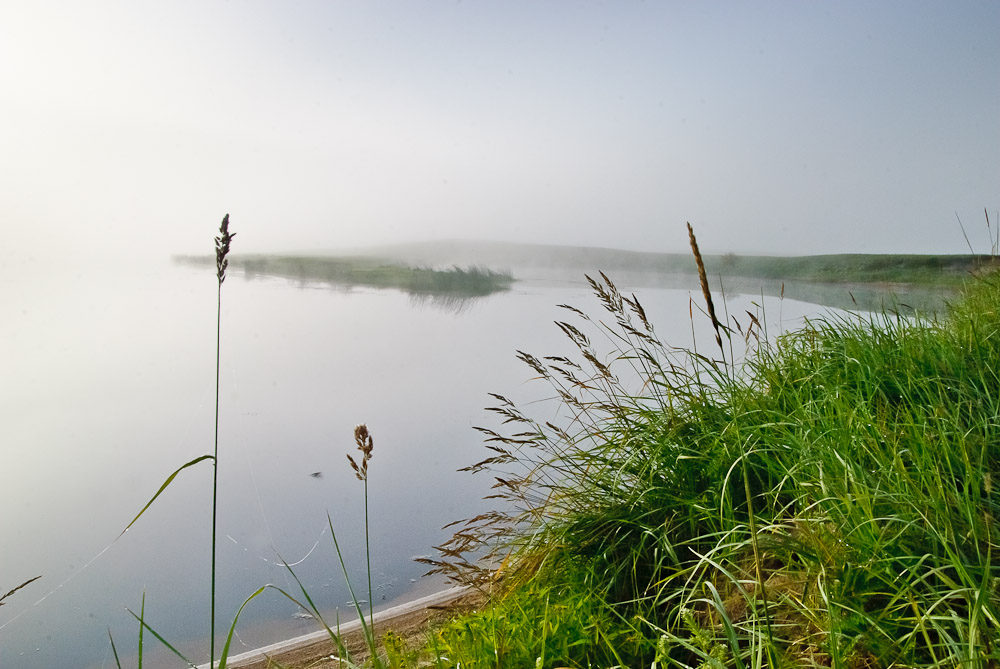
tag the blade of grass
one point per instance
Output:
(143, 625)
(368, 632)
(141, 619)
(229, 637)
(163, 487)
(114, 650)
(335, 637)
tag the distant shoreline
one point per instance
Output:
(466, 270)
(860, 268)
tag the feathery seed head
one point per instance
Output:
(703, 279)
(365, 444)
(222, 249)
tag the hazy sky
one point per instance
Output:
(782, 127)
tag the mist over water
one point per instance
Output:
(130, 127)
(110, 387)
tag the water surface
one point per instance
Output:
(110, 387)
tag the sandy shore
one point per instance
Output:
(411, 621)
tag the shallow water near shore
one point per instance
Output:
(110, 387)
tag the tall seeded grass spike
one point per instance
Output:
(222, 249)
(703, 278)
(365, 444)
(221, 262)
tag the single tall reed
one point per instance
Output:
(222, 243)
(366, 445)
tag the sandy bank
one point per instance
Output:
(315, 650)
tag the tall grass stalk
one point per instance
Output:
(366, 444)
(222, 246)
(222, 243)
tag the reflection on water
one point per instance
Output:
(368, 272)
(452, 304)
(455, 302)
(848, 297)
(843, 296)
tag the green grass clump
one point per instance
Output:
(551, 620)
(828, 501)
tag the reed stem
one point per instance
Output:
(215, 469)
(221, 251)
(368, 558)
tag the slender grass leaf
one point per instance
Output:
(368, 632)
(232, 628)
(164, 487)
(334, 636)
(727, 623)
(114, 650)
(144, 625)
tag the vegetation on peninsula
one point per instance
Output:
(370, 272)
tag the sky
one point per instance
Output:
(784, 128)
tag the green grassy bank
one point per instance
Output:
(827, 502)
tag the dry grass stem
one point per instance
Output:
(29, 581)
(703, 278)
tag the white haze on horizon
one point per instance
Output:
(131, 128)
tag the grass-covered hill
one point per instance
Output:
(828, 503)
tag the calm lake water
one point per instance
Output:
(109, 387)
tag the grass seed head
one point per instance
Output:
(222, 249)
(30, 580)
(703, 279)
(366, 444)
